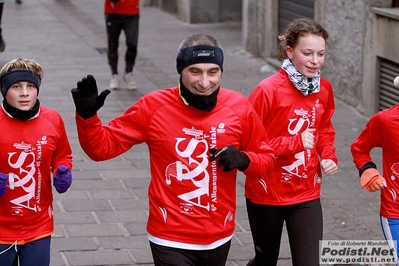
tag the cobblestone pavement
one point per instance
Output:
(101, 219)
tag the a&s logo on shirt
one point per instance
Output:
(197, 189)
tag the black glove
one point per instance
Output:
(230, 158)
(86, 98)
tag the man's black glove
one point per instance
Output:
(230, 158)
(86, 98)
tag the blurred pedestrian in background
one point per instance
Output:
(122, 15)
(2, 43)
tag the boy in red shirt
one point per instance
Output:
(34, 154)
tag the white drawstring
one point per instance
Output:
(15, 244)
(11, 180)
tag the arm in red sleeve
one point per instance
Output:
(256, 146)
(263, 105)
(63, 153)
(106, 142)
(369, 138)
(326, 132)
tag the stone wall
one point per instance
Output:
(202, 11)
(346, 23)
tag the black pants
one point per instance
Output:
(130, 25)
(167, 256)
(304, 223)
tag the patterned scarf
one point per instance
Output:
(305, 85)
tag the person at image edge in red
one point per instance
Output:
(198, 135)
(382, 131)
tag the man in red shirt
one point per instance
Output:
(198, 135)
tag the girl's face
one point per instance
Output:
(308, 55)
(22, 95)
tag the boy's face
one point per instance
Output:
(22, 95)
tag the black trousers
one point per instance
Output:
(130, 25)
(304, 224)
(168, 256)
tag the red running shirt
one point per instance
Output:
(31, 150)
(122, 7)
(191, 200)
(381, 131)
(285, 113)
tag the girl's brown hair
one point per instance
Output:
(296, 29)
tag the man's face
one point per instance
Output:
(22, 95)
(202, 78)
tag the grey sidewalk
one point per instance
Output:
(101, 219)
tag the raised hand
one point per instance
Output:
(86, 98)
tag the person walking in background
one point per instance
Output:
(34, 153)
(2, 43)
(296, 106)
(381, 131)
(198, 135)
(122, 15)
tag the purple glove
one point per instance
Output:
(62, 179)
(3, 179)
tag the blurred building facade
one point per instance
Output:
(362, 50)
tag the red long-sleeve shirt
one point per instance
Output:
(122, 7)
(192, 201)
(382, 131)
(285, 113)
(31, 150)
